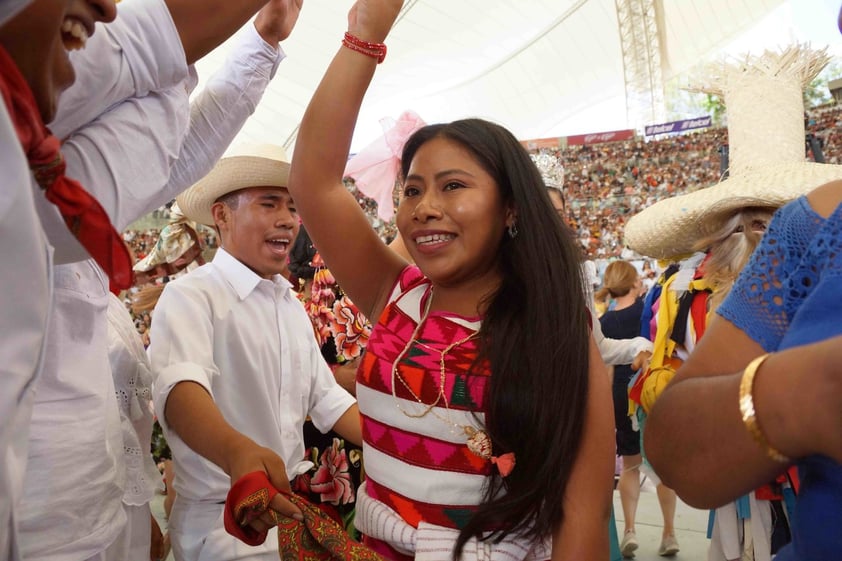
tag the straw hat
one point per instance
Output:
(174, 240)
(249, 165)
(765, 108)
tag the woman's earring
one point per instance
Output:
(512, 230)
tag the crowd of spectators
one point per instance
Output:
(386, 230)
(141, 241)
(826, 125)
(605, 185)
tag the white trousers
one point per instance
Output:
(197, 533)
(135, 541)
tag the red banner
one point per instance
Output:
(600, 137)
(538, 143)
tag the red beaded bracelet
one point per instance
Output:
(374, 50)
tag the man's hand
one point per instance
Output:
(246, 457)
(193, 415)
(276, 20)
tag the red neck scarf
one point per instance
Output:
(83, 215)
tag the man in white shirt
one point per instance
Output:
(237, 366)
(133, 158)
(25, 302)
(25, 276)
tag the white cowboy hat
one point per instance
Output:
(249, 165)
(765, 108)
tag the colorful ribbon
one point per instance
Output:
(375, 168)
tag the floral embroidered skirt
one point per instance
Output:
(332, 484)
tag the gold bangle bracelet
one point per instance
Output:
(749, 414)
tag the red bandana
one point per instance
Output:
(318, 538)
(83, 215)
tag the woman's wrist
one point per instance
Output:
(372, 49)
(749, 411)
(788, 398)
(365, 33)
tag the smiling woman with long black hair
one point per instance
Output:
(481, 391)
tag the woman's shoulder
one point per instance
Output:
(796, 224)
(410, 277)
(411, 284)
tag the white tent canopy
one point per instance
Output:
(540, 67)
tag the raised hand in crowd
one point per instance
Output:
(371, 20)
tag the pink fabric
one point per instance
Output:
(653, 323)
(375, 167)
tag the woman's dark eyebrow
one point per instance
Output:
(441, 174)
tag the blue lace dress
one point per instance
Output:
(790, 294)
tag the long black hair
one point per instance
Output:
(535, 336)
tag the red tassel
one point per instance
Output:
(505, 463)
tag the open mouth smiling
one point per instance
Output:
(75, 33)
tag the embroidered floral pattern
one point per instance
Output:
(331, 484)
(334, 315)
(332, 480)
(350, 329)
(322, 297)
(342, 332)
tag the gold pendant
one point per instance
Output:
(479, 443)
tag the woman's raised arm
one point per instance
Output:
(365, 268)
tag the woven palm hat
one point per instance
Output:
(248, 165)
(174, 241)
(767, 167)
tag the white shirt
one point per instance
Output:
(248, 341)
(132, 170)
(617, 351)
(590, 274)
(73, 489)
(25, 302)
(612, 351)
(132, 375)
(124, 166)
(138, 53)
(184, 139)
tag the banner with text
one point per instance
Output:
(538, 143)
(678, 126)
(599, 137)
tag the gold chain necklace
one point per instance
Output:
(478, 441)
